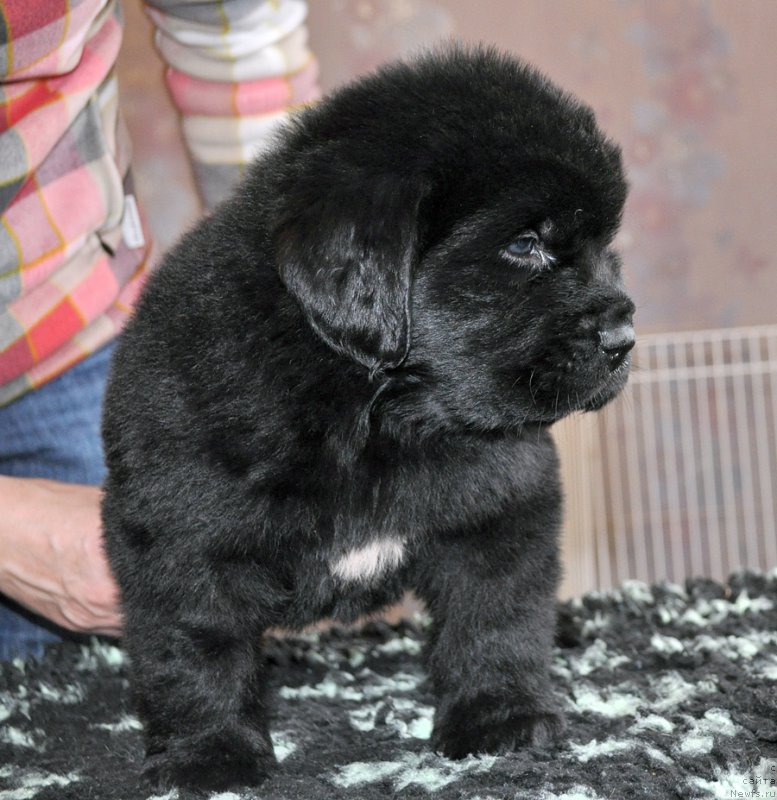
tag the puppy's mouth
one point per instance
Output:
(579, 384)
(611, 388)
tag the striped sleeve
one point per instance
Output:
(235, 69)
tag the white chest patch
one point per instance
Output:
(362, 564)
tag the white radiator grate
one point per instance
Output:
(678, 476)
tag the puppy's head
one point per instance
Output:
(447, 223)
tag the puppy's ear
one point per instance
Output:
(346, 251)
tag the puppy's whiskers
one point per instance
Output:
(531, 390)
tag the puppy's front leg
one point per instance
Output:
(200, 690)
(491, 593)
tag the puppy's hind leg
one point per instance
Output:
(200, 691)
(491, 596)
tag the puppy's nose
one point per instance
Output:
(616, 344)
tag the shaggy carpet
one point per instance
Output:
(670, 693)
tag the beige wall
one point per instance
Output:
(687, 87)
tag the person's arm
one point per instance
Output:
(235, 70)
(51, 554)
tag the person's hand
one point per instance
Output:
(51, 554)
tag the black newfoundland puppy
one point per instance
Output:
(339, 387)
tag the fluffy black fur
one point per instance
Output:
(366, 344)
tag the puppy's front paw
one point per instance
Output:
(211, 762)
(470, 727)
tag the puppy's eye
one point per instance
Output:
(524, 245)
(529, 251)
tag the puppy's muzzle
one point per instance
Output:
(617, 342)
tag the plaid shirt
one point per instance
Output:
(73, 250)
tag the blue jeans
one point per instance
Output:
(52, 432)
